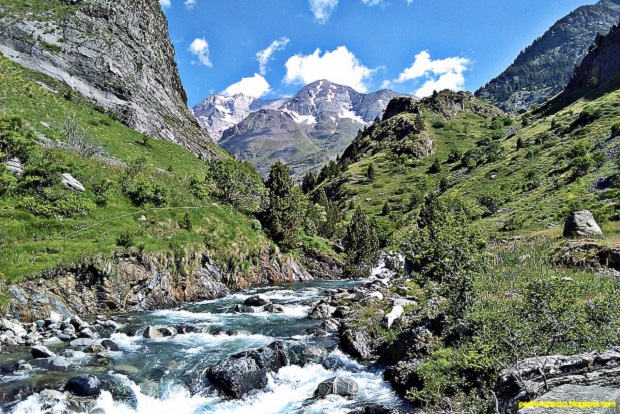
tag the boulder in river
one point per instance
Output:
(110, 345)
(244, 309)
(84, 386)
(356, 344)
(41, 352)
(247, 371)
(257, 300)
(344, 387)
(151, 332)
(581, 224)
(273, 308)
(321, 310)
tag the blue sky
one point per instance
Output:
(271, 48)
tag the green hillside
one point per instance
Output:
(520, 175)
(43, 225)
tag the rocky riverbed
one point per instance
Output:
(270, 349)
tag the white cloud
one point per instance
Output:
(200, 48)
(256, 86)
(264, 56)
(440, 74)
(164, 3)
(323, 9)
(373, 2)
(190, 4)
(339, 66)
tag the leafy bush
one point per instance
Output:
(54, 203)
(237, 183)
(101, 190)
(143, 190)
(492, 201)
(126, 239)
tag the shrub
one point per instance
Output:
(76, 139)
(126, 239)
(186, 222)
(142, 191)
(237, 183)
(54, 203)
(615, 130)
(101, 190)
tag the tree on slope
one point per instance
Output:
(283, 218)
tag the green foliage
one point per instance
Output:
(102, 191)
(283, 217)
(186, 222)
(361, 245)
(445, 250)
(309, 183)
(436, 167)
(615, 130)
(492, 201)
(386, 210)
(15, 142)
(126, 239)
(237, 183)
(142, 190)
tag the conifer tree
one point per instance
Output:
(283, 218)
(386, 209)
(370, 172)
(361, 245)
(436, 167)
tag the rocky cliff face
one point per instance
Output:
(543, 68)
(115, 52)
(129, 283)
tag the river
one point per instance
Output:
(165, 375)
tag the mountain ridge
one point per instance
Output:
(542, 69)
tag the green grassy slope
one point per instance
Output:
(30, 244)
(533, 187)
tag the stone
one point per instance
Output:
(41, 352)
(341, 312)
(86, 333)
(167, 331)
(84, 386)
(273, 308)
(344, 387)
(71, 183)
(578, 393)
(247, 371)
(94, 349)
(356, 344)
(331, 325)
(112, 325)
(14, 327)
(244, 309)
(110, 345)
(15, 166)
(142, 218)
(151, 333)
(396, 313)
(77, 322)
(81, 342)
(322, 310)
(375, 295)
(257, 300)
(581, 224)
(52, 341)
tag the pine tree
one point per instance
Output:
(361, 245)
(443, 185)
(283, 218)
(355, 152)
(370, 172)
(309, 183)
(520, 144)
(436, 167)
(186, 224)
(386, 209)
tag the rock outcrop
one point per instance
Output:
(128, 283)
(344, 387)
(534, 377)
(116, 53)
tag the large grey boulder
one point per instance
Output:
(581, 224)
(151, 333)
(344, 387)
(71, 183)
(247, 371)
(322, 310)
(15, 166)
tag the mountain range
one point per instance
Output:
(305, 131)
(545, 67)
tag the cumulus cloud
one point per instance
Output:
(338, 66)
(190, 4)
(323, 9)
(255, 86)
(200, 48)
(164, 4)
(373, 2)
(264, 56)
(439, 74)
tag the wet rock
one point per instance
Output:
(273, 308)
(302, 354)
(56, 363)
(396, 313)
(331, 325)
(86, 333)
(356, 344)
(247, 371)
(257, 300)
(110, 345)
(244, 309)
(151, 333)
(41, 352)
(167, 331)
(52, 341)
(94, 349)
(322, 310)
(185, 329)
(71, 183)
(81, 342)
(341, 312)
(84, 386)
(112, 325)
(14, 391)
(376, 409)
(581, 224)
(344, 387)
